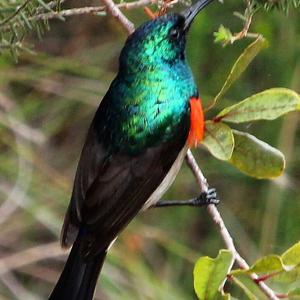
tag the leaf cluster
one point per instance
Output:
(282, 5)
(243, 150)
(18, 18)
(225, 36)
(211, 273)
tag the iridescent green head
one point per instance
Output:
(161, 40)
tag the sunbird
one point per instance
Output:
(135, 146)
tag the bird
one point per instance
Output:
(134, 148)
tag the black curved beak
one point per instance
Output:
(190, 13)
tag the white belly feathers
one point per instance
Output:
(168, 180)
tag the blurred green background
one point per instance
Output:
(47, 101)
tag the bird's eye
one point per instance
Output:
(174, 34)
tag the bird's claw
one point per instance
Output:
(206, 198)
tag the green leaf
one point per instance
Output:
(255, 157)
(294, 294)
(291, 261)
(223, 35)
(241, 64)
(245, 289)
(210, 274)
(291, 257)
(267, 105)
(282, 269)
(265, 265)
(222, 296)
(218, 140)
(289, 276)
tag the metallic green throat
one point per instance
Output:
(149, 98)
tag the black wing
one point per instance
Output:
(109, 190)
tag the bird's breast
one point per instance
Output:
(149, 109)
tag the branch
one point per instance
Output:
(114, 10)
(214, 213)
(247, 22)
(90, 10)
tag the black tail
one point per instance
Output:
(79, 277)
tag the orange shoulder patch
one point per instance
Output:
(196, 132)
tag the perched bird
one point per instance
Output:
(134, 148)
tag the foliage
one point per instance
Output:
(283, 5)
(247, 153)
(210, 274)
(224, 35)
(255, 157)
(284, 269)
(241, 65)
(219, 140)
(18, 18)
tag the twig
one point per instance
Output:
(90, 10)
(118, 15)
(248, 19)
(212, 208)
(214, 213)
(240, 35)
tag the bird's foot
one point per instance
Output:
(207, 198)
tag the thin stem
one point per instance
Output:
(89, 10)
(214, 213)
(247, 19)
(119, 16)
(266, 277)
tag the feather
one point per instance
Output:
(196, 133)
